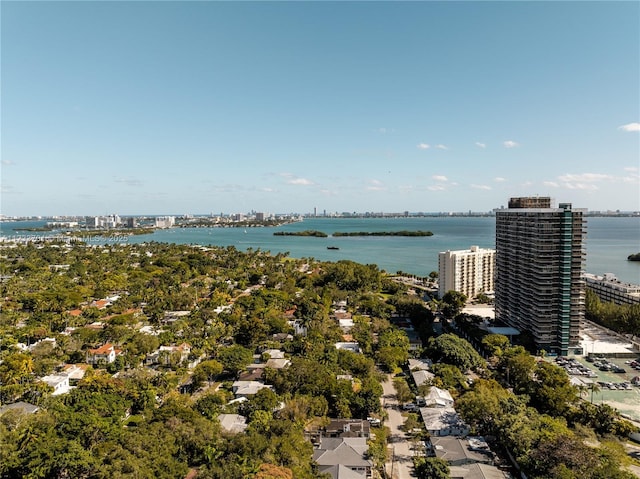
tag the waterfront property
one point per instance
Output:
(539, 264)
(468, 271)
(611, 289)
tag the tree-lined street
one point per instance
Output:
(400, 462)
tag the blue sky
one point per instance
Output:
(199, 107)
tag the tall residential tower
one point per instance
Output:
(539, 286)
(468, 271)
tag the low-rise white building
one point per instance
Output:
(443, 422)
(248, 388)
(349, 346)
(233, 423)
(438, 398)
(611, 289)
(59, 383)
(104, 354)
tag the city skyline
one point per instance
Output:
(150, 107)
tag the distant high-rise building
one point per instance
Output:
(164, 221)
(468, 271)
(539, 284)
(92, 221)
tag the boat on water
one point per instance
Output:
(332, 247)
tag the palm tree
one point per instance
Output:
(595, 387)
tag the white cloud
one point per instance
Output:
(384, 130)
(481, 187)
(423, 146)
(440, 178)
(436, 188)
(630, 127)
(294, 180)
(441, 147)
(299, 181)
(481, 145)
(580, 186)
(376, 185)
(552, 184)
(631, 169)
(129, 181)
(228, 188)
(7, 162)
(631, 179)
(586, 181)
(499, 179)
(585, 177)
(510, 144)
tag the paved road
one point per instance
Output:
(400, 465)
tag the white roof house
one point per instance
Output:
(248, 388)
(233, 423)
(420, 364)
(355, 347)
(438, 398)
(443, 422)
(422, 376)
(278, 363)
(274, 353)
(59, 383)
(349, 453)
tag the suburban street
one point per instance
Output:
(400, 463)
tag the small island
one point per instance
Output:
(313, 233)
(384, 233)
(633, 257)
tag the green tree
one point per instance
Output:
(393, 349)
(495, 344)
(431, 468)
(451, 349)
(517, 367)
(453, 302)
(207, 370)
(552, 391)
(482, 405)
(234, 358)
(403, 392)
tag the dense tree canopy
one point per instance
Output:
(452, 349)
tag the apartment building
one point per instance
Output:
(468, 271)
(539, 286)
(611, 290)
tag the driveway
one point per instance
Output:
(400, 465)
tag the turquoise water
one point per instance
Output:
(609, 241)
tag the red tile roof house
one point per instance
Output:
(100, 303)
(106, 353)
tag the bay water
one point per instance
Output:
(609, 241)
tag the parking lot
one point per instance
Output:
(615, 388)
